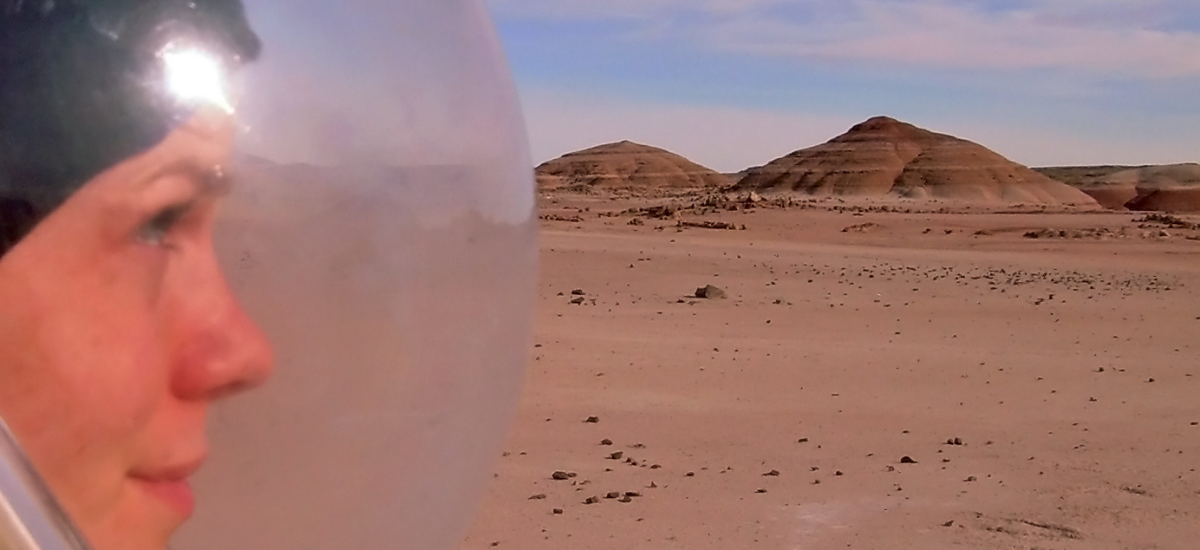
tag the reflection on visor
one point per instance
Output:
(87, 84)
(195, 77)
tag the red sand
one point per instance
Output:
(1067, 368)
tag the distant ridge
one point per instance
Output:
(626, 165)
(884, 156)
(1167, 188)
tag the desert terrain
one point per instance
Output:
(881, 374)
(897, 339)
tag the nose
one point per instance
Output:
(220, 351)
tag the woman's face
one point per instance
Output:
(117, 331)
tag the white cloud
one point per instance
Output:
(1122, 38)
(943, 35)
(619, 9)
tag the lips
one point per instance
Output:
(169, 485)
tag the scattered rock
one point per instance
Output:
(625, 499)
(711, 225)
(954, 441)
(592, 500)
(860, 228)
(562, 476)
(560, 218)
(710, 292)
(772, 473)
(948, 524)
(540, 496)
(760, 491)
(613, 494)
(907, 460)
(592, 420)
(577, 301)
(606, 442)
(558, 511)
(616, 456)
(971, 479)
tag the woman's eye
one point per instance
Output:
(156, 230)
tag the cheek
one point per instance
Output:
(84, 375)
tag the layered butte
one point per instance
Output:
(884, 156)
(626, 165)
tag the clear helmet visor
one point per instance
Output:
(380, 234)
(378, 228)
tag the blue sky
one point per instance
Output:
(736, 83)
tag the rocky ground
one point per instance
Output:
(876, 375)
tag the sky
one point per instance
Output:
(736, 83)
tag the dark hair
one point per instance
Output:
(81, 90)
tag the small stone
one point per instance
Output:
(710, 292)
(690, 474)
(613, 494)
(606, 442)
(560, 476)
(578, 292)
(803, 440)
(632, 494)
(577, 301)
(625, 499)
(772, 473)
(948, 524)
(907, 460)
(540, 496)
(616, 456)
(592, 420)
(838, 473)
(592, 500)
(760, 491)
(971, 479)
(558, 511)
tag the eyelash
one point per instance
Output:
(156, 230)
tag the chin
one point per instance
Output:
(142, 523)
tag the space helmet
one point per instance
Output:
(376, 223)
